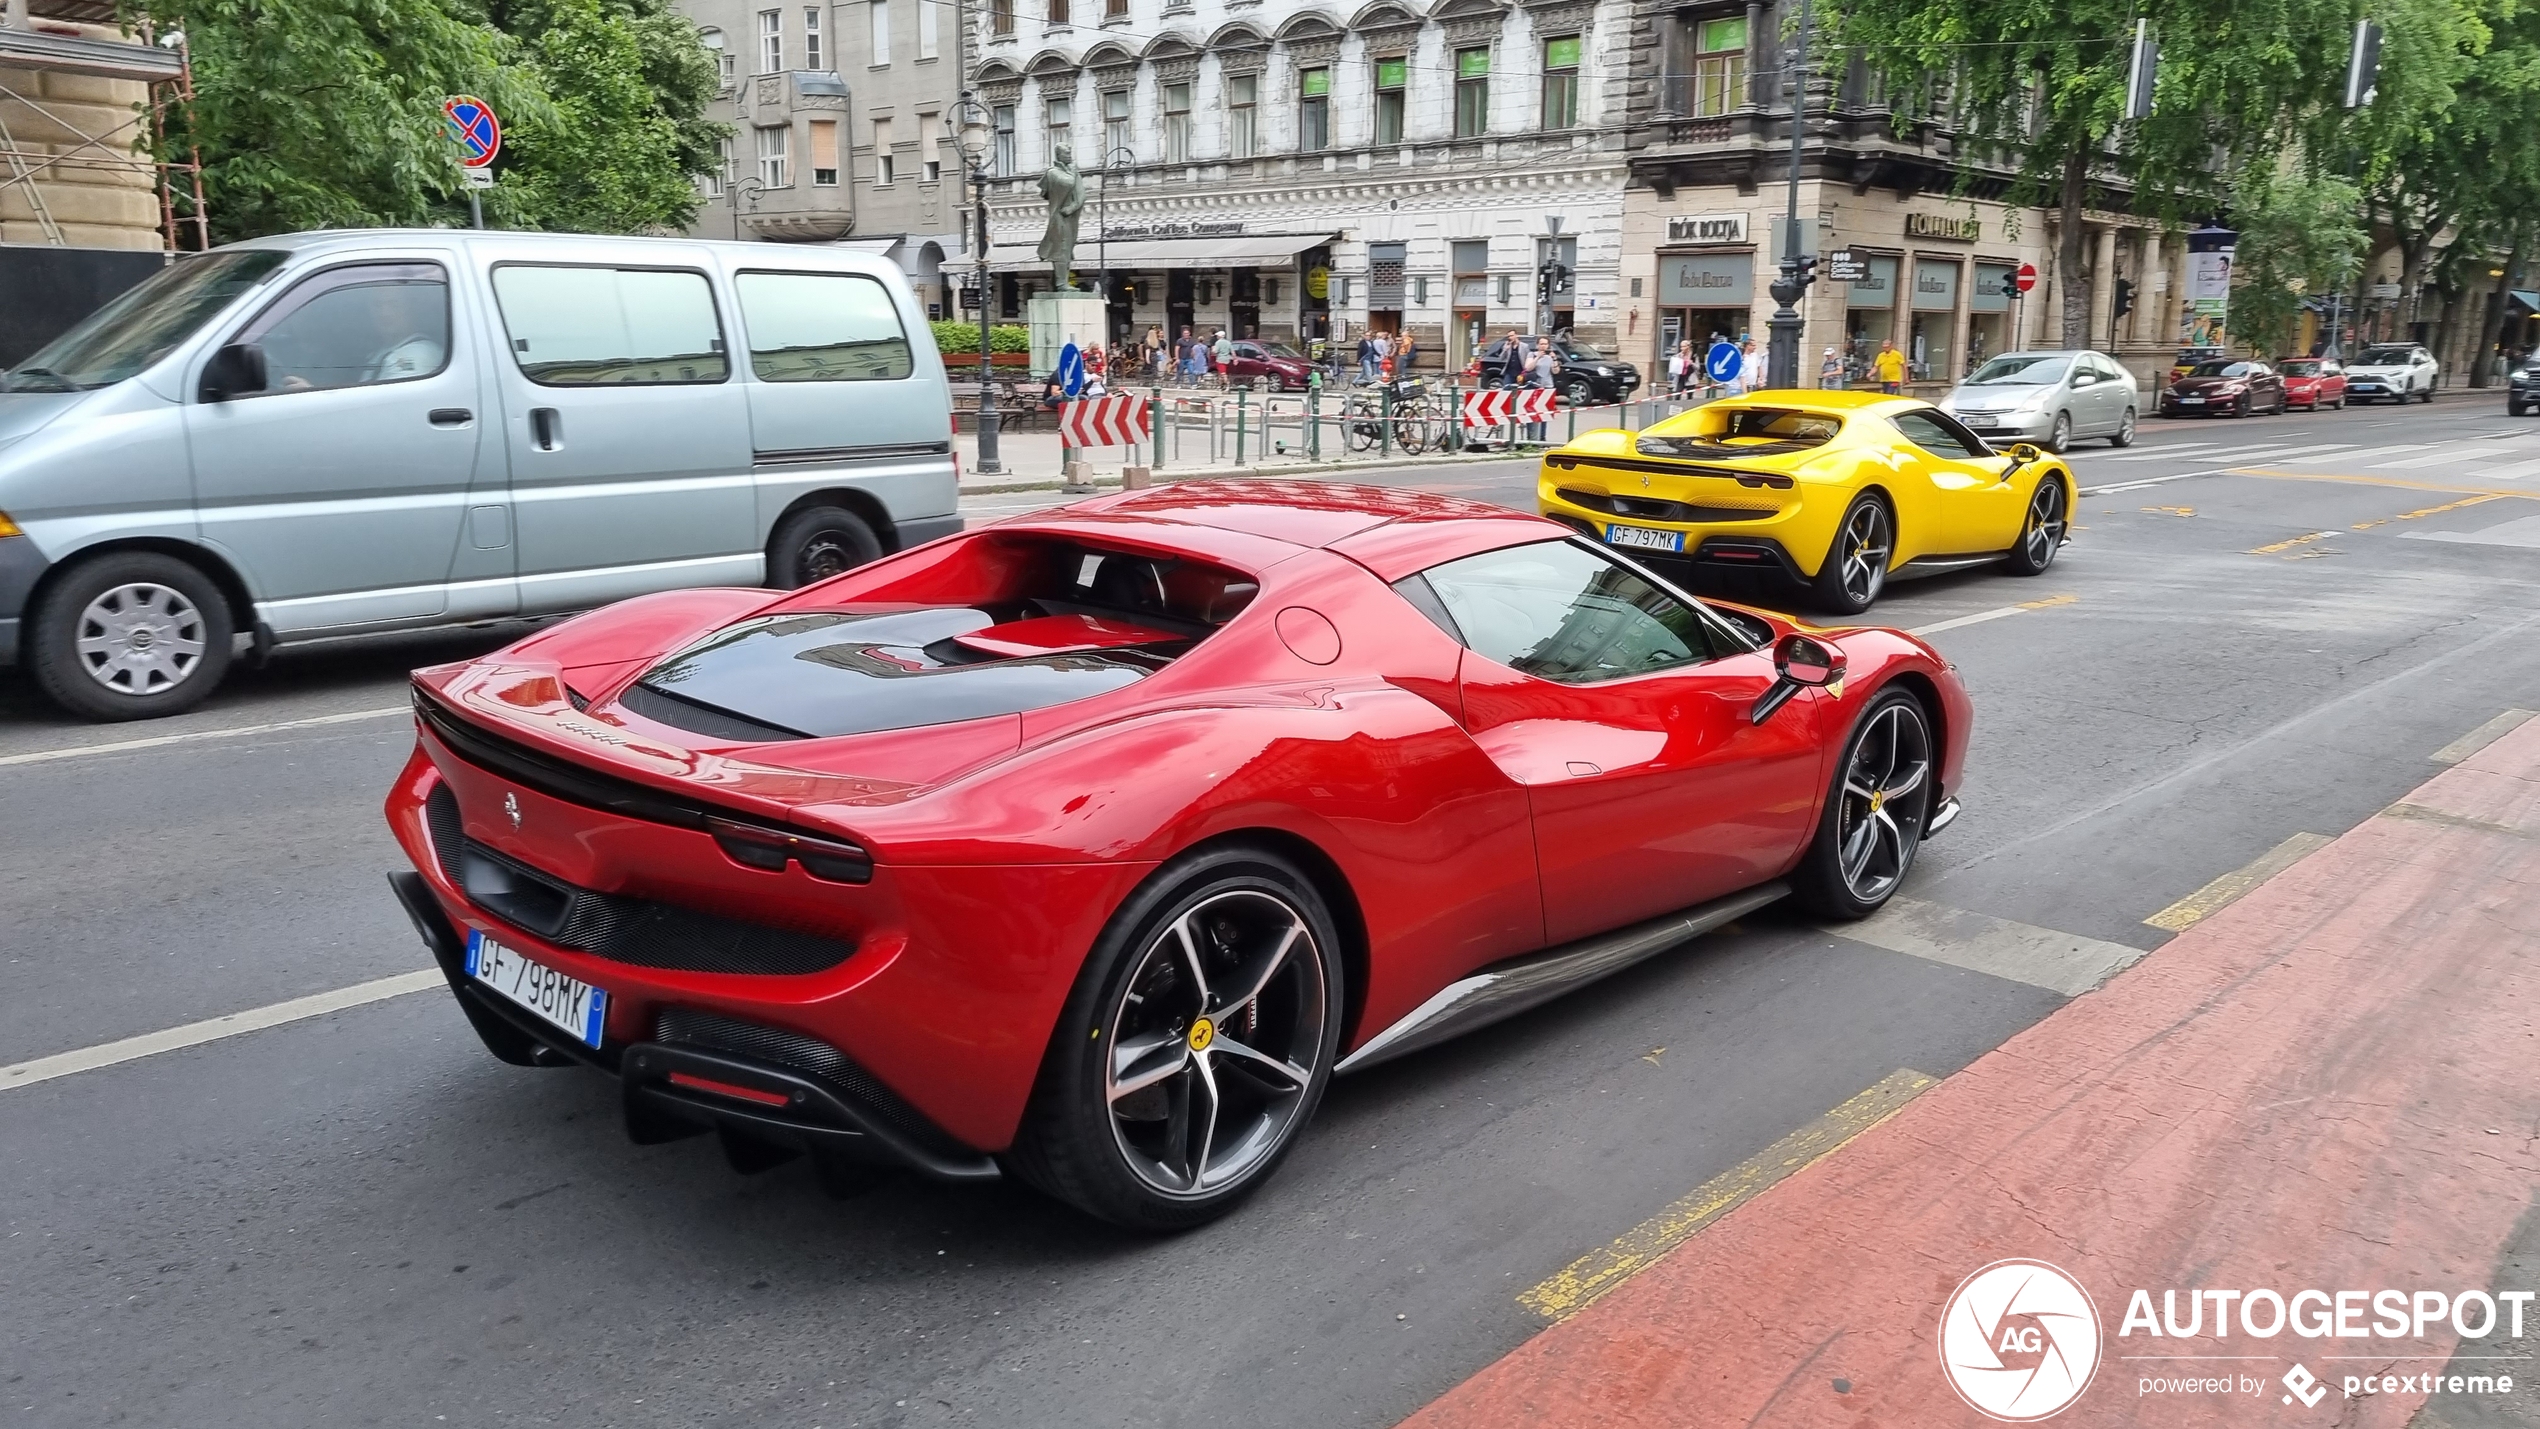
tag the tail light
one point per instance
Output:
(758, 846)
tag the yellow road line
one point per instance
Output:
(1589, 1277)
(2481, 737)
(2447, 506)
(2397, 483)
(2050, 602)
(2205, 902)
(2289, 545)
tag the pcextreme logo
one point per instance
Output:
(2019, 1340)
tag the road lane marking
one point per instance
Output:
(2395, 483)
(2205, 902)
(1996, 613)
(2393, 448)
(158, 741)
(2288, 545)
(1583, 1281)
(195, 1034)
(2447, 506)
(2152, 481)
(2437, 458)
(2515, 472)
(2041, 957)
(2481, 737)
(2169, 510)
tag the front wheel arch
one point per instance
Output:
(223, 576)
(863, 503)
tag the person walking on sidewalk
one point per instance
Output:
(1890, 367)
(1830, 372)
(1404, 350)
(1224, 353)
(1677, 363)
(1541, 373)
(1366, 356)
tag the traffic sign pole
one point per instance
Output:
(479, 136)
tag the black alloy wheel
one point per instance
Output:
(2041, 530)
(1875, 812)
(1197, 1043)
(1855, 568)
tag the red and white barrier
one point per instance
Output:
(1498, 407)
(1119, 420)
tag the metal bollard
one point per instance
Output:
(1243, 409)
(1314, 424)
(1155, 415)
(1384, 420)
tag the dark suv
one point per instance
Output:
(2522, 388)
(1588, 377)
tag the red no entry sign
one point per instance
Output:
(2026, 278)
(473, 124)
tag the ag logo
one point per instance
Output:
(2019, 1340)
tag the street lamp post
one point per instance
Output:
(970, 140)
(753, 188)
(1102, 229)
(1782, 359)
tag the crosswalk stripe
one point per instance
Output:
(2282, 453)
(2438, 457)
(2200, 451)
(2376, 451)
(2515, 472)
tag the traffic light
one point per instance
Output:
(1807, 270)
(2124, 303)
(1553, 278)
(2010, 285)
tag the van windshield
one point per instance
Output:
(142, 325)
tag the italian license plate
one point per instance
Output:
(1643, 538)
(1981, 424)
(577, 1007)
(2191, 401)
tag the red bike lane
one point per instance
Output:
(2328, 1085)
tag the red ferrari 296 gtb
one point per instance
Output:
(1089, 846)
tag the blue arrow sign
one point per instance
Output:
(1723, 361)
(473, 125)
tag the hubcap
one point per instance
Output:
(2045, 524)
(827, 555)
(140, 639)
(1881, 822)
(1865, 549)
(1215, 1043)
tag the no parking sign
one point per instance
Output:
(473, 125)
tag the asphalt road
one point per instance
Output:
(361, 1218)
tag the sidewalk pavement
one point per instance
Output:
(2326, 1085)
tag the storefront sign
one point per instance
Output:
(1845, 266)
(1876, 288)
(1935, 286)
(1953, 228)
(1706, 280)
(1992, 292)
(1120, 231)
(1707, 228)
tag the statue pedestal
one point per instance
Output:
(1058, 319)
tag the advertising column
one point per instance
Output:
(2205, 319)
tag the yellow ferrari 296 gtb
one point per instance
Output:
(1840, 491)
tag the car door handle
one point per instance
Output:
(546, 428)
(451, 416)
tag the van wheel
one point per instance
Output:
(131, 636)
(816, 543)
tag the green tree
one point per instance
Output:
(327, 113)
(2299, 234)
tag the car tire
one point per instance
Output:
(132, 635)
(1579, 394)
(2044, 525)
(1854, 571)
(2240, 408)
(2514, 408)
(2428, 398)
(2340, 404)
(1864, 846)
(816, 543)
(1244, 916)
(2124, 435)
(2060, 435)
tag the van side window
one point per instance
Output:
(822, 327)
(595, 327)
(355, 326)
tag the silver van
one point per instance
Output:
(335, 433)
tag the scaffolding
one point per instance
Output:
(78, 146)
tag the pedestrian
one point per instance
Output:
(1403, 352)
(1224, 354)
(1542, 371)
(1366, 357)
(1830, 372)
(1513, 361)
(1186, 357)
(1890, 367)
(1750, 366)
(1680, 367)
(1384, 355)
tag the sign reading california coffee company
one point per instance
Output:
(1707, 228)
(1119, 231)
(1953, 228)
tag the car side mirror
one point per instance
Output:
(2021, 453)
(235, 370)
(1800, 662)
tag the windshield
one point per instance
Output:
(2300, 369)
(2387, 356)
(2022, 370)
(1281, 349)
(1572, 347)
(2219, 369)
(141, 326)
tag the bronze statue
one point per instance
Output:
(1065, 190)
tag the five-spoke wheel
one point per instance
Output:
(1196, 1045)
(2041, 531)
(1874, 813)
(1855, 569)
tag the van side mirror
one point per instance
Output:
(1800, 662)
(234, 371)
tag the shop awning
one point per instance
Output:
(2530, 300)
(1130, 255)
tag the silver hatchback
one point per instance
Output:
(328, 434)
(2051, 398)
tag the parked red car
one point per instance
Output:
(1088, 846)
(1274, 365)
(2312, 382)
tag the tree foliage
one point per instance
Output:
(327, 113)
(2300, 235)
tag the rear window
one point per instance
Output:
(1721, 430)
(603, 327)
(822, 327)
